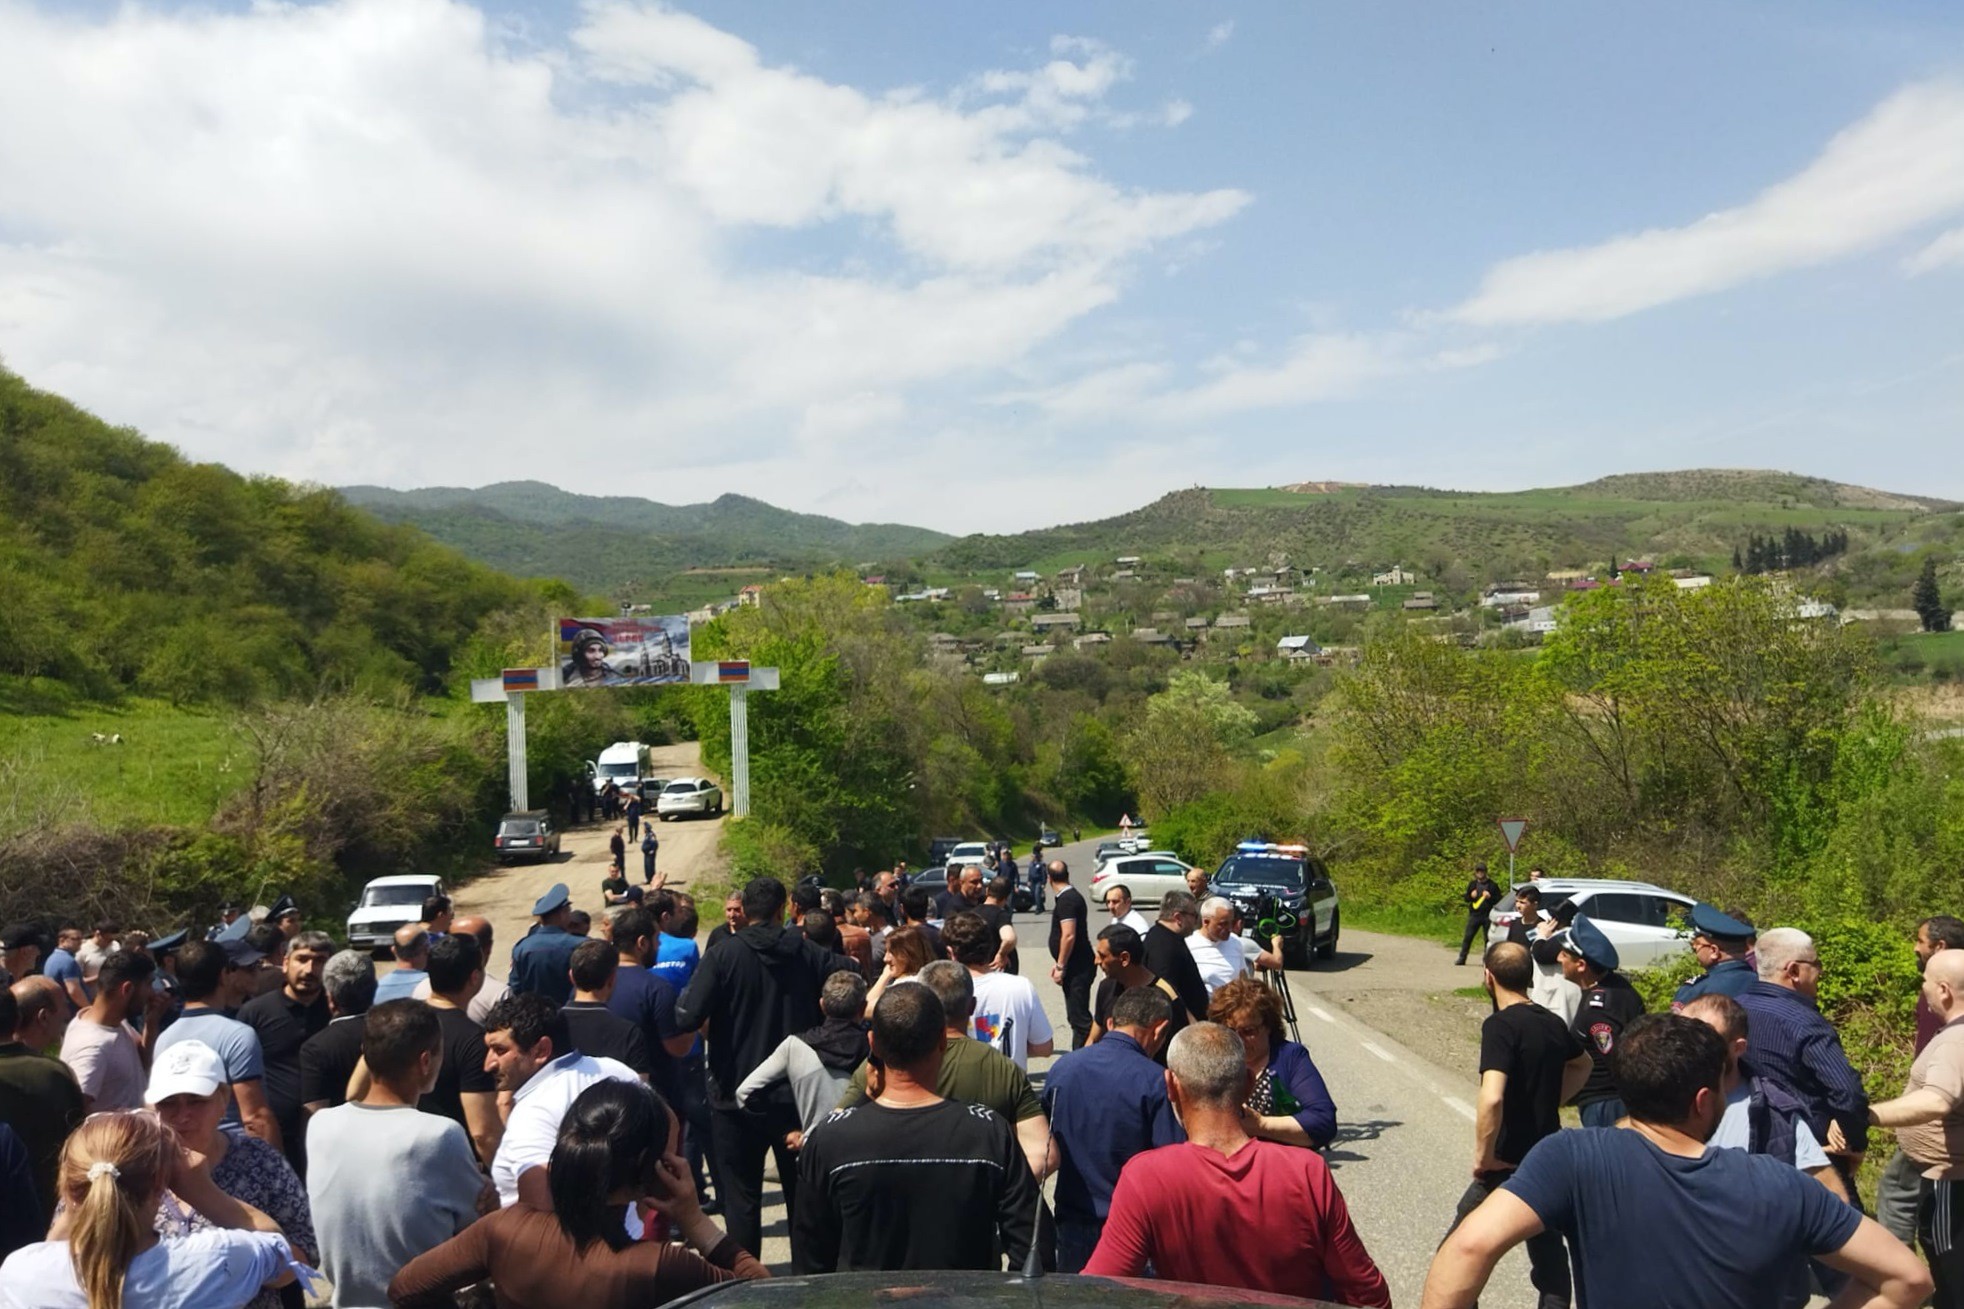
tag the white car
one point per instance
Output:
(386, 904)
(1147, 876)
(1646, 923)
(689, 795)
(968, 854)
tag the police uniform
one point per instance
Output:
(1604, 1010)
(540, 959)
(1727, 977)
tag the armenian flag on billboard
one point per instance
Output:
(641, 651)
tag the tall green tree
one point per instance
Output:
(1927, 599)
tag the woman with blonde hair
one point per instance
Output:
(103, 1252)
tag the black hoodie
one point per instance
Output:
(839, 1043)
(756, 989)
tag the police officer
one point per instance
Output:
(539, 961)
(1479, 898)
(1721, 943)
(1608, 1004)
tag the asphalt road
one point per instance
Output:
(1404, 1147)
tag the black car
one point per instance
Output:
(974, 1290)
(1285, 892)
(527, 835)
(939, 849)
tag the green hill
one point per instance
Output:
(1696, 518)
(126, 567)
(622, 542)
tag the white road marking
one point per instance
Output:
(1460, 1107)
(1324, 1014)
(1380, 1052)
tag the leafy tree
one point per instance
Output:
(1928, 600)
(1185, 744)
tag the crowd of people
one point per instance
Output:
(250, 1115)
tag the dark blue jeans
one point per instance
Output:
(1602, 1113)
(1077, 1238)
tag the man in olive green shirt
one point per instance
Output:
(974, 1073)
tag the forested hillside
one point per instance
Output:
(126, 567)
(624, 543)
(1689, 519)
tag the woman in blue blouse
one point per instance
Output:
(1288, 1102)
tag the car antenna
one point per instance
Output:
(1033, 1261)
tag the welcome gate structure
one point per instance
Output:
(514, 684)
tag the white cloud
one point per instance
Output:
(1897, 170)
(374, 240)
(1947, 251)
(1220, 34)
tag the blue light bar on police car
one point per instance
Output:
(1271, 848)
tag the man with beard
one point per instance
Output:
(284, 1019)
(588, 664)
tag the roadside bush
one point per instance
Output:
(756, 848)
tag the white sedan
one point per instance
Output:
(1147, 876)
(689, 795)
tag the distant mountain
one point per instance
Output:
(1695, 516)
(610, 542)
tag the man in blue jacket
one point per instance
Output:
(540, 961)
(1107, 1103)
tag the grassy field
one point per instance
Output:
(174, 765)
(1938, 656)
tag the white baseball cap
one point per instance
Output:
(187, 1068)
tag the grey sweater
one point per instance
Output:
(815, 1087)
(385, 1184)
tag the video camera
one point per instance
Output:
(1270, 918)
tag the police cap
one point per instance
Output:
(1707, 920)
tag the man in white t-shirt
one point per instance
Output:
(527, 1044)
(1220, 955)
(101, 1048)
(1008, 1014)
(1118, 899)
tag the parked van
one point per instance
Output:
(624, 763)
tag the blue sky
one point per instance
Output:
(993, 267)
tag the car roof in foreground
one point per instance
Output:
(946, 1290)
(404, 879)
(1596, 884)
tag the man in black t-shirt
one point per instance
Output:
(594, 1029)
(328, 1057)
(1530, 1061)
(283, 1020)
(1167, 954)
(996, 913)
(1070, 947)
(464, 1092)
(903, 1181)
(1120, 954)
(957, 898)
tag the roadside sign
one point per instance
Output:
(1510, 832)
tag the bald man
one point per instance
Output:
(412, 950)
(44, 1013)
(1929, 1121)
(494, 988)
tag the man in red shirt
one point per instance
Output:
(1224, 1209)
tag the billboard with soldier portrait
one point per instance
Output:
(645, 650)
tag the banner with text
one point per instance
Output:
(646, 650)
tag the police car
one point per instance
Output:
(1285, 892)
